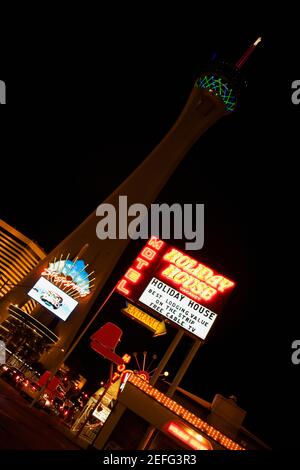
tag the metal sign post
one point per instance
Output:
(177, 379)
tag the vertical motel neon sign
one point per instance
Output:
(194, 279)
(140, 266)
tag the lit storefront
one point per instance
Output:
(174, 426)
(164, 288)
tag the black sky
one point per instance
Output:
(89, 110)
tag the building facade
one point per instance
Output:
(18, 256)
(146, 418)
(24, 336)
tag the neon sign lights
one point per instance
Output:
(140, 265)
(69, 276)
(219, 87)
(121, 369)
(176, 286)
(185, 274)
(184, 413)
(193, 278)
(187, 435)
(157, 326)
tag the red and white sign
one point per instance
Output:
(194, 279)
(192, 289)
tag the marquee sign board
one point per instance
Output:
(178, 308)
(176, 286)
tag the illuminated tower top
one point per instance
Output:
(224, 80)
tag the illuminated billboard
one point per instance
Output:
(53, 298)
(176, 286)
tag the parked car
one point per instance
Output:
(29, 389)
(45, 402)
(12, 375)
(57, 406)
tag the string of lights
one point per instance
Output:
(185, 414)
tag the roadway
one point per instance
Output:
(25, 428)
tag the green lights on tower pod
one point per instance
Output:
(219, 87)
(225, 88)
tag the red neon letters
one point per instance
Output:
(193, 278)
(187, 275)
(141, 263)
(121, 368)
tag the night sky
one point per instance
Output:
(91, 110)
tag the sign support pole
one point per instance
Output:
(183, 368)
(167, 356)
(178, 377)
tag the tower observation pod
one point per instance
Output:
(68, 280)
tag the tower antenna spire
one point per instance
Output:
(247, 54)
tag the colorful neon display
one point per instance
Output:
(185, 274)
(219, 87)
(121, 369)
(196, 270)
(70, 276)
(191, 438)
(184, 414)
(140, 265)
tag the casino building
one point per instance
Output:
(24, 336)
(18, 256)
